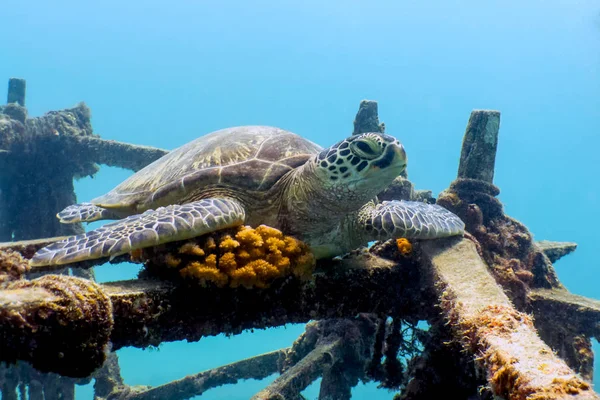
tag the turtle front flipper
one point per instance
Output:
(85, 212)
(408, 219)
(153, 227)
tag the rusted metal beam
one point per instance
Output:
(556, 250)
(505, 343)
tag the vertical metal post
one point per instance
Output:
(16, 91)
(367, 118)
(478, 155)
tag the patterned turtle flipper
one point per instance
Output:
(85, 212)
(408, 219)
(153, 227)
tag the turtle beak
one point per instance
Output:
(394, 158)
(401, 157)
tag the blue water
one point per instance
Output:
(162, 73)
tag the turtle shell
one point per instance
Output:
(247, 159)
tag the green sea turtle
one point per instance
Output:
(256, 175)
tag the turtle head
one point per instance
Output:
(361, 166)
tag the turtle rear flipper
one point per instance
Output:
(85, 212)
(153, 227)
(408, 219)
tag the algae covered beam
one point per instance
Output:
(58, 323)
(149, 312)
(300, 376)
(551, 305)
(337, 349)
(113, 153)
(28, 247)
(258, 367)
(505, 343)
(580, 318)
(556, 250)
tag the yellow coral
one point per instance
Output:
(205, 274)
(211, 261)
(266, 231)
(172, 261)
(275, 245)
(249, 236)
(291, 245)
(245, 276)
(228, 243)
(242, 256)
(227, 262)
(278, 261)
(256, 253)
(210, 243)
(191, 248)
(404, 246)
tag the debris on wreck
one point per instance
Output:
(490, 298)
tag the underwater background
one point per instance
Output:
(162, 74)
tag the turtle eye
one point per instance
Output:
(365, 149)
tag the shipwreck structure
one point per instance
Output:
(491, 299)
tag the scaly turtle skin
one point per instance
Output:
(256, 175)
